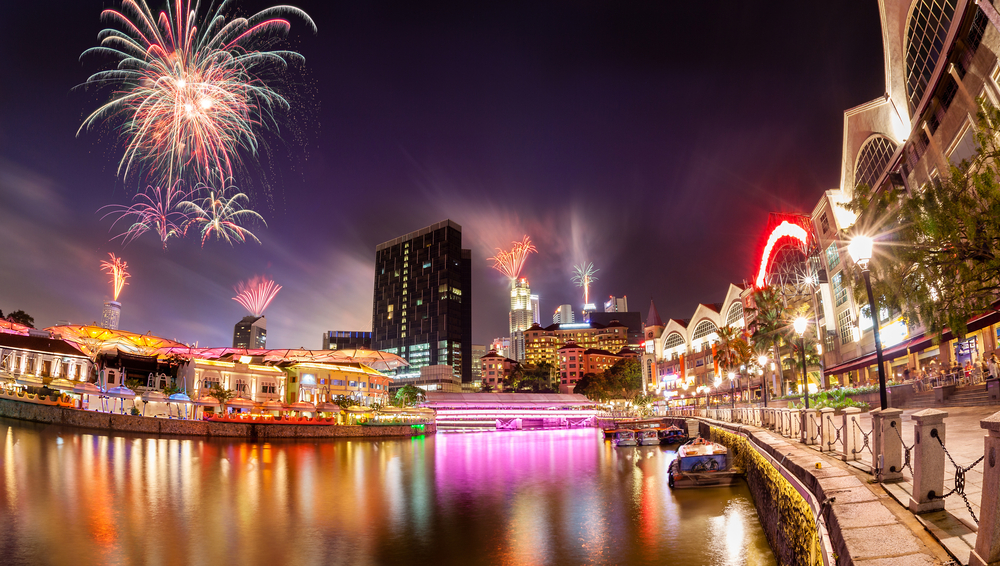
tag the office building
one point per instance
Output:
(422, 305)
(521, 315)
(111, 315)
(501, 346)
(564, 315)
(250, 333)
(616, 304)
(478, 351)
(347, 339)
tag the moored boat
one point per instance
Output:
(647, 437)
(672, 435)
(624, 437)
(701, 463)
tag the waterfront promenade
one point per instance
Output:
(944, 536)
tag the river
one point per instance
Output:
(69, 496)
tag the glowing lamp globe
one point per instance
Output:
(800, 325)
(732, 376)
(860, 250)
(761, 360)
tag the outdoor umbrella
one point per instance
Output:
(180, 399)
(120, 392)
(152, 397)
(86, 388)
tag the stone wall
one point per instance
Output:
(49, 414)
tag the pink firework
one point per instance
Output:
(155, 210)
(117, 269)
(191, 90)
(256, 293)
(511, 263)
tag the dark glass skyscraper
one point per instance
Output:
(423, 299)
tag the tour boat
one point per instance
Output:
(672, 435)
(647, 437)
(624, 437)
(701, 463)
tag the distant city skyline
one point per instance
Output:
(625, 145)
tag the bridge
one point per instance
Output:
(512, 411)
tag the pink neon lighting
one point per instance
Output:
(785, 229)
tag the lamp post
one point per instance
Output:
(762, 361)
(732, 397)
(800, 328)
(860, 249)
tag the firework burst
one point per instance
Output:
(191, 93)
(584, 277)
(158, 210)
(256, 293)
(511, 263)
(118, 270)
(222, 216)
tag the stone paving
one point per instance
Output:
(954, 526)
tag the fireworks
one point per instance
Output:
(221, 216)
(584, 277)
(256, 293)
(510, 263)
(190, 98)
(154, 210)
(117, 269)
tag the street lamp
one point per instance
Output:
(800, 328)
(732, 398)
(860, 249)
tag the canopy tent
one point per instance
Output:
(8, 327)
(94, 340)
(371, 358)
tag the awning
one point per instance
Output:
(888, 354)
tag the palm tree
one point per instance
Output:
(732, 351)
(771, 321)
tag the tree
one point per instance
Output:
(937, 249)
(624, 379)
(485, 388)
(21, 317)
(221, 395)
(591, 387)
(408, 396)
(344, 401)
(770, 321)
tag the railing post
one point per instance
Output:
(779, 415)
(892, 445)
(928, 460)
(987, 551)
(808, 427)
(851, 435)
(826, 428)
(795, 420)
(875, 441)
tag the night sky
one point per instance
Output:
(651, 138)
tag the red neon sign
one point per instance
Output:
(784, 230)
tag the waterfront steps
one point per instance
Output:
(969, 396)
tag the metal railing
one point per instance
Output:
(960, 472)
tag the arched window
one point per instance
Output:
(926, 31)
(735, 315)
(872, 159)
(673, 340)
(704, 328)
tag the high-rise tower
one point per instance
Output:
(522, 316)
(111, 315)
(422, 307)
(250, 333)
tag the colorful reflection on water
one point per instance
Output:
(552, 497)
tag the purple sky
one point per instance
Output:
(650, 138)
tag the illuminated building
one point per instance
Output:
(422, 305)
(522, 315)
(616, 304)
(340, 339)
(535, 316)
(250, 332)
(678, 356)
(564, 315)
(941, 62)
(111, 315)
(575, 361)
(501, 346)
(478, 351)
(34, 360)
(632, 320)
(495, 368)
(542, 344)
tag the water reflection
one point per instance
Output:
(558, 497)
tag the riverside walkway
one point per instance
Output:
(965, 453)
